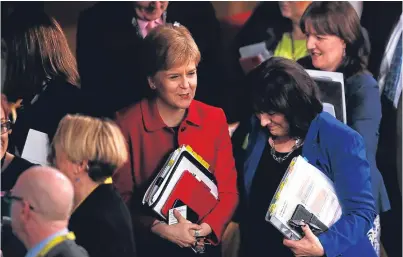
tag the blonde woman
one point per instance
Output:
(88, 151)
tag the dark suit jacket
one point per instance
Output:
(110, 58)
(102, 224)
(266, 24)
(374, 13)
(67, 248)
(363, 107)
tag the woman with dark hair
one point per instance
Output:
(288, 122)
(88, 151)
(41, 71)
(336, 42)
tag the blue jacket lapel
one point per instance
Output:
(256, 144)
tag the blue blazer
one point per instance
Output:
(364, 114)
(339, 152)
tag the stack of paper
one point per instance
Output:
(181, 160)
(303, 184)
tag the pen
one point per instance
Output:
(155, 188)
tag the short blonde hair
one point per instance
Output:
(168, 46)
(100, 142)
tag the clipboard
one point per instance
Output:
(332, 92)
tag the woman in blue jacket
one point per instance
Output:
(288, 122)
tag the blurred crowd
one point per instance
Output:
(150, 76)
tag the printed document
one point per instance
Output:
(303, 184)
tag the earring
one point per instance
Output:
(153, 86)
(76, 180)
(344, 52)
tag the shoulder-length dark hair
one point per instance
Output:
(280, 85)
(36, 50)
(340, 19)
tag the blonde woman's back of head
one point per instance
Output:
(100, 142)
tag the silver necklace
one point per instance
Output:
(298, 143)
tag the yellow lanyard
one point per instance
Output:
(55, 241)
(108, 180)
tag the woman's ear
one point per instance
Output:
(151, 83)
(83, 166)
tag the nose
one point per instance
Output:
(265, 120)
(185, 83)
(310, 42)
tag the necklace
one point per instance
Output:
(298, 143)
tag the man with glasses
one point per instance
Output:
(41, 203)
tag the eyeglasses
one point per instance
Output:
(8, 198)
(5, 126)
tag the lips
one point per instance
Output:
(315, 54)
(184, 96)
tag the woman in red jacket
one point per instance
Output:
(156, 126)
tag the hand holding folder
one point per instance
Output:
(192, 192)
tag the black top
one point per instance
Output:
(102, 224)
(58, 99)
(9, 176)
(260, 237)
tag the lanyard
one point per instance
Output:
(108, 180)
(55, 241)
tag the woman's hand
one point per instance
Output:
(309, 245)
(232, 127)
(181, 233)
(205, 229)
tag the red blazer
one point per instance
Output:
(150, 142)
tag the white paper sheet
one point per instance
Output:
(36, 147)
(255, 50)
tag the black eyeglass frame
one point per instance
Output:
(6, 124)
(8, 198)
